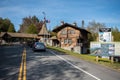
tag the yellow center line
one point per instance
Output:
(22, 70)
(24, 75)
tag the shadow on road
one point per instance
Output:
(46, 66)
(10, 58)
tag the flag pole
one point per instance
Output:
(45, 21)
(44, 24)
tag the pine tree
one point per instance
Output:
(116, 34)
(32, 29)
(5, 24)
(11, 28)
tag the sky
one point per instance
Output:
(69, 11)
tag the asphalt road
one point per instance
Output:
(50, 65)
(10, 59)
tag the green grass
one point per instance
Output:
(89, 58)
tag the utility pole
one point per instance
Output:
(44, 16)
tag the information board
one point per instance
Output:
(117, 48)
(105, 35)
(105, 49)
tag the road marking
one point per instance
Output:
(76, 66)
(22, 70)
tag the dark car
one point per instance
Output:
(39, 46)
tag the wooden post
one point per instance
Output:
(97, 58)
(112, 59)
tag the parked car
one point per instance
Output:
(39, 46)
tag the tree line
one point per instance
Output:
(33, 25)
(6, 25)
(93, 28)
(29, 24)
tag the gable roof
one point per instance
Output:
(43, 30)
(2, 34)
(54, 37)
(57, 29)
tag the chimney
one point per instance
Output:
(83, 23)
(75, 24)
(62, 22)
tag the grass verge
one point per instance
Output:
(89, 58)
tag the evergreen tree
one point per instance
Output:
(32, 29)
(11, 28)
(116, 34)
(5, 24)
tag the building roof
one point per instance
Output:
(2, 34)
(43, 30)
(58, 28)
(53, 37)
(24, 35)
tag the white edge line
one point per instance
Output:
(76, 66)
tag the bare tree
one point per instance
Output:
(28, 21)
(93, 27)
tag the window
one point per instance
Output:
(63, 32)
(71, 31)
(67, 41)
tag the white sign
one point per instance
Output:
(117, 48)
(105, 35)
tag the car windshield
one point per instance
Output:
(38, 43)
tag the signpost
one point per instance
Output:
(105, 35)
(105, 47)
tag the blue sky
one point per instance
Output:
(103, 11)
